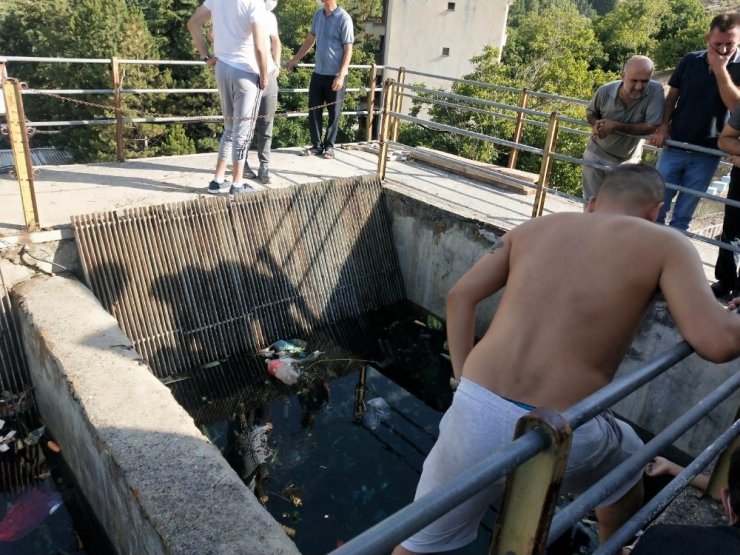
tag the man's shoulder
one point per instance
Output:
(344, 14)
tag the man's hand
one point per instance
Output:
(264, 80)
(660, 136)
(211, 62)
(338, 82)
(734, 160)
(718, 62)
(603, 127)
(290, 64)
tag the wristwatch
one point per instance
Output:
(206, 58)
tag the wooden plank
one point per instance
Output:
(489, 173)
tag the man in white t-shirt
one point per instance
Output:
(242, 71)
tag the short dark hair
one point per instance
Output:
(733, 481)
(636, 183)
(725, 22)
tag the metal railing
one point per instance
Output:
(395, 91)
(118, 91)
(543, 436)
(412, 518)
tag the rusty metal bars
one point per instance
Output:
(546, 165)
(18, 135)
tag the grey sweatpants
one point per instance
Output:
(266, 119)
(240, 98)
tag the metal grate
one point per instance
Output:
(197, 281)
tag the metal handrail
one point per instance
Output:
(669, 493)
(634, 464)
(397, 527)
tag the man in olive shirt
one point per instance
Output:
(619, 112)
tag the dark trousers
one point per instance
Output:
(319, 92)
(726, 268)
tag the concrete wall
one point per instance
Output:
(464, 30)
(436, 246)
(154, 481)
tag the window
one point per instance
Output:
(451, 6)
(445, 51)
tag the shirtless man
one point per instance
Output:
(576, 288)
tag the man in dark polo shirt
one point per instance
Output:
(702, 91)
(619, 113)
(725, 270)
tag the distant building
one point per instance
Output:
(439, 37)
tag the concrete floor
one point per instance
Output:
(64, 191)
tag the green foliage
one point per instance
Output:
(176, 142)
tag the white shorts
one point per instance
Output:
(480, 422)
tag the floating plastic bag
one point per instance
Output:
(284, 369)
(376, 411)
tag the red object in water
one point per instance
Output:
(28, 511)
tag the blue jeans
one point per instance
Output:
(693, 170)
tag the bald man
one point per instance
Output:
(619, 113)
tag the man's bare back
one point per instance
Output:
(576, 289)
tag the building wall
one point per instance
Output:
(464, 31)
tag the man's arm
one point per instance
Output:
(260, 52)
(607, 126)
(343, 69)
(276, 47)
(659, 137)
(729, 141)
(195, 27)
(728, 91)
(711, 329)
(305, 47)
(485, 278)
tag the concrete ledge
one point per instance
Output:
(154, 481)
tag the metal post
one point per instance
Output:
(546, 165)
(388, 87)
(18, 135)
(532, 488)
(718, 479)
(116, 73)
(398, 104)
(371, 104)
(514, 153)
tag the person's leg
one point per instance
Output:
(315, 110)
(613, 516)
(264, 128)
(592, 177)
(725, 270)
(671, 168)
(698, 173)
(335, 100)
(224, 84)
(246, 98)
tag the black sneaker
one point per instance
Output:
(249, 172)
(234, 190)
(215, 188)
(719, 290)
(264, 174)
(313, 151)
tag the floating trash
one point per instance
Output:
(284, 347)
(27, 513)
(284, 369)
(376, 411)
